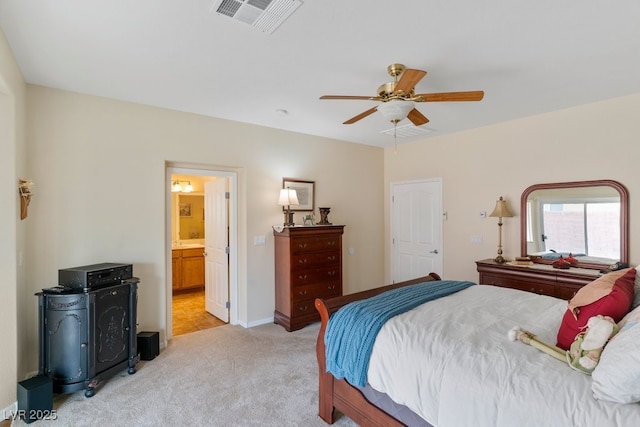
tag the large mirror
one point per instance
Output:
(587, 219)
(191, 216)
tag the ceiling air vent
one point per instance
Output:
(265, 15)
(406, 131)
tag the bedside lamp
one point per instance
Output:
(288, 198)
(501, 211)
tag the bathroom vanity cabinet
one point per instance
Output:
(188, 268)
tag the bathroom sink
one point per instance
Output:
(188, 246)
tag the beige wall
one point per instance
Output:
(596, 141)
(12, 230)
(99, 167)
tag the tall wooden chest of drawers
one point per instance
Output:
(308, 265)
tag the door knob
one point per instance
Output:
(435, 251)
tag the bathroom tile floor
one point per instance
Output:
(189, 314)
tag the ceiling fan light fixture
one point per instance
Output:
(395, 111)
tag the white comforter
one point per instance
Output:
(450, 361)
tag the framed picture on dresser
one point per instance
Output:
(305, 190)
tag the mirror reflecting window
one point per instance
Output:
(587, 219)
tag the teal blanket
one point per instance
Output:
(352, 330)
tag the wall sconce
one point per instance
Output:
(25, 190)
(288, 198)
(176, 187)
(501, 211)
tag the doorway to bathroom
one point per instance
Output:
(201, 240)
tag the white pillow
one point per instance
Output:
(634, 313)
(617, 376)
(636, 288)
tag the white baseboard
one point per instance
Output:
(259, 322)
(10, 412)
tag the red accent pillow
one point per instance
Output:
(616, 305)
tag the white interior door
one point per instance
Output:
(216, 242)
(416, 229)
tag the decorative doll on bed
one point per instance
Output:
(586, 349)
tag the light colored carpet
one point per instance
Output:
(224, 376)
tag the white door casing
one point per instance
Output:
(216, 265)
(416, 229)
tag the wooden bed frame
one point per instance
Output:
(335, 394)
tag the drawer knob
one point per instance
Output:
(302, 245)
(302, 276)
(331, 258)
(304, 308)
(331, 287)
(303, 293)
(331, 273)
(302, 261)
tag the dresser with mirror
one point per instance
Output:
(587, 220)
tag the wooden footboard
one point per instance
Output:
(339, 394)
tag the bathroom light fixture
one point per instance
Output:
(501, 211)
(176, 187)
(288, 197)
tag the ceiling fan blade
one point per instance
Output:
(408, 80)
(474, 95)
(369, 98)
(417, 118)
(361, 116)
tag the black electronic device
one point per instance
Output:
(95, 275)
(148, 345)
(35, 399)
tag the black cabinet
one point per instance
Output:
(87, 336)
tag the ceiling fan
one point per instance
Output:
(398, 97)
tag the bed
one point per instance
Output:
(448, 362)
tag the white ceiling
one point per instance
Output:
(529, 57)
